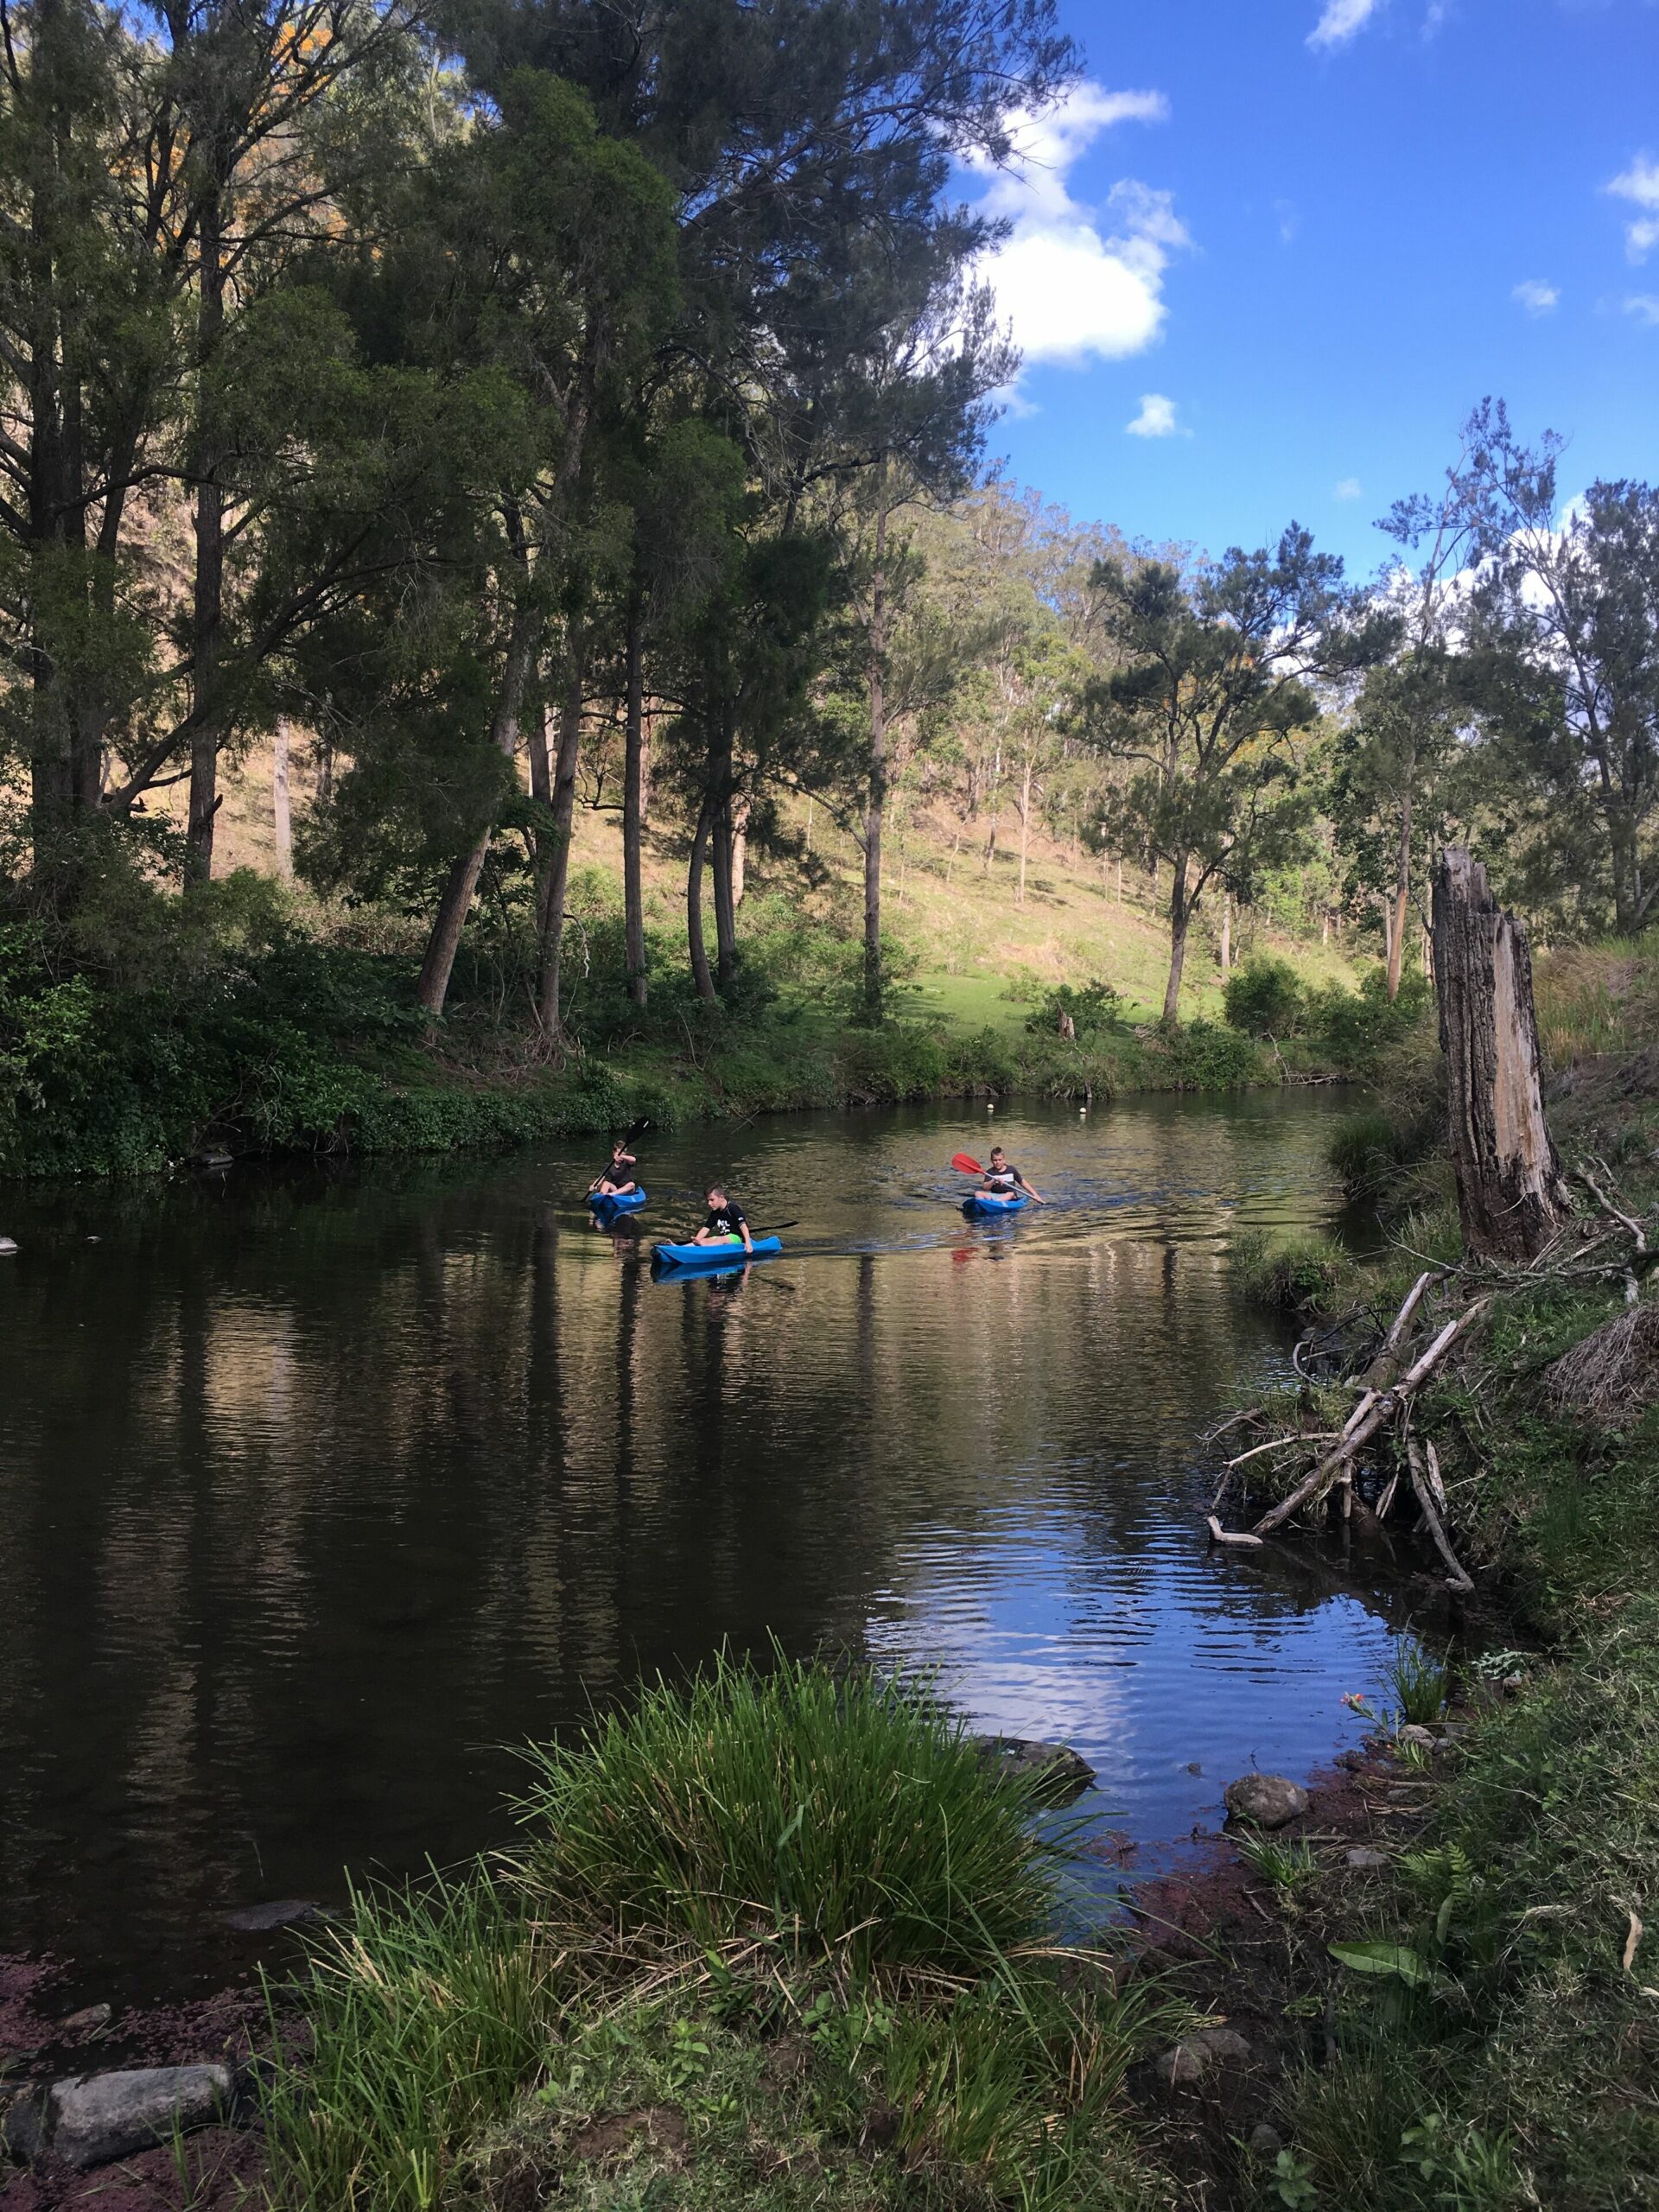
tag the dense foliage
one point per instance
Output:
(479, 406)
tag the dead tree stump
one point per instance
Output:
(1510, 1193)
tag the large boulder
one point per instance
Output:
(1060, 1772)
(89, 2118)
(282, 1912)
(1195, 2055)
(1266, 1800)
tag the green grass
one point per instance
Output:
(775, 1939)
(850, 1813)
(1514, 2065)
(1288, 1867)
(1419, 1681)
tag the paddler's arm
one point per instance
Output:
(748, 1241)
(1030, 1189)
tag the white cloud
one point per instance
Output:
(1075, 281)
(1350, 488)
(1341, 21)
(1639, 184)
(1535, 297)
(1156, 419)
(1644, 306)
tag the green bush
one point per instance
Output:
(1359, 1029)
(1093, 1006)
(1204, 1056)
(1265, 999)
(1299, 1279)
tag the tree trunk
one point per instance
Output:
(1025, 830)
(700, 974)
(1180, 918)
(1509, 1190)
(739, 850)
(557, 874)
(633, 802)
(996, 810)
(432, 986)
(876, 801)
(1226, 933)
(207, 605)
(1402, 899)
(281, 814)
(1120, 879)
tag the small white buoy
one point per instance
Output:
(6, 1248)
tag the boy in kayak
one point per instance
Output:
(724, 1219)
(616, 1181)
(1001, 1180)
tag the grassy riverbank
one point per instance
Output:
(149, 1029)
(1493, 2034)
(770, 1942)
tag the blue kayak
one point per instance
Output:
(606, 1203)
(984, 1205)
(727, 1253)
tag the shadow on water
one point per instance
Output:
(320, 1486)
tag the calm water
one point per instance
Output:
(318, 1488)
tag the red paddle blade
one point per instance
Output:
(964, 1166)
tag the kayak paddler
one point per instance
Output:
(616, 1181)
(724, 1219)
(1002, 1179)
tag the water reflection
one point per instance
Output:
(317, 1488)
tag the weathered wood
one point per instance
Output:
(1510, 1193)
(281, 811)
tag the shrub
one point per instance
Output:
(1093, 1006)
(1359, 1029)
(1265, 999)
(1204, 1056)
(1298, 1279)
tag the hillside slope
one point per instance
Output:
(980, 953)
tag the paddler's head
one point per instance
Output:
(715, 1194)
(999, 1158)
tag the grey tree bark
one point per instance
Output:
(1510, 1193)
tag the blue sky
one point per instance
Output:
(1315, 232)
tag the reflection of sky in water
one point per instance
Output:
(1142, 1671)
(320, 1489)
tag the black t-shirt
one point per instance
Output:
(1003, 1179)
(618, 1171)
(725, 1220)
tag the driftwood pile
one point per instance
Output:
(1613, 1370)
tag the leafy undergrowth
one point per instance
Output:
(1493, 2003)
(773, 1940)
(1497, 2037)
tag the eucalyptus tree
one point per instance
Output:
(160, 168)
(809, 145)
(1209, 704)
(1562, 671)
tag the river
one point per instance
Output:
(320, 1487)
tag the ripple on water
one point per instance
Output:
(320, 1487)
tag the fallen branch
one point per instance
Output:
(1368, 1416)
(1220, 1535)
(1278, 1444)
(1456, 1577)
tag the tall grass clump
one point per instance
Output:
(1418, 1680)
(1299, 1279)
(848, 1812)
(426, 2013)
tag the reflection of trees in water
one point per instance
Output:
(317, 1486)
